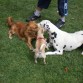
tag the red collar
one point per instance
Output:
(40, 38)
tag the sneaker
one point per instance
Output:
(32, 18)
(59, 23)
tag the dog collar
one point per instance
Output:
(40, 38)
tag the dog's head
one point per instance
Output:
(45, 24)
(32, 26)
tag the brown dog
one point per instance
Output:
(25, 31)
(40, 45)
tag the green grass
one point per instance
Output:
(17, 61)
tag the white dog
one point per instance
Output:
(62, 40)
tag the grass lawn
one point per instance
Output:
(17, 61)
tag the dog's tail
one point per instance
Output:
(10, 21)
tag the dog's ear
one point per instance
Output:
(10, 21)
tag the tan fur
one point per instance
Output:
(40, 46)
(25, 31)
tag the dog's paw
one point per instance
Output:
(10, 37)
(44, 63)
(34, 50)
(35, 61)
(82, 53)
(47, 45)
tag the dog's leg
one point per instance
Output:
(36, 55)
(29, 44)
(44, 61)
(35, 60)
(10, 34)
(47, 47)
(19, 35)
(34, 50)
(49, 42)
(82, 53)
(57, 52)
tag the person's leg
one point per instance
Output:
(42, 4)
(38, 11)
(63, 11)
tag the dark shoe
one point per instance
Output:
(59, 23)
(32, 18)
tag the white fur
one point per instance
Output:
(63, 40)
